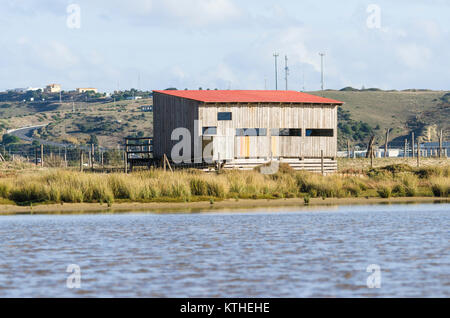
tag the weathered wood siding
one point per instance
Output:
(271, 116)
(170, 113)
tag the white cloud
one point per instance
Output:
(56, 55)
(202, 12)
(414, 56)
(172, 13)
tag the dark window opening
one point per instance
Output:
(209, 131)
(224, 116)
(289, 132)
(240, 132)
(319, 132)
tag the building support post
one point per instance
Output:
(219, 163)
(322, 163)
(164, 162)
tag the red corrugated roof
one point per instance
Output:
(235, 96)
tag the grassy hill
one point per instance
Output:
(75, 123)
(421, 111)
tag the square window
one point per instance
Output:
(224, 116)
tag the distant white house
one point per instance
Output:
(53, 88)
(87, 89)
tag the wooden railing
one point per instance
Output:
(138, 152)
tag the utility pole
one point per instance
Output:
(286, 71)
(321, 67)
(386, 145)
(275, 55)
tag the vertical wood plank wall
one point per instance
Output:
(169, 113)
(304, 116)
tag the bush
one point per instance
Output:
(429, 172)
(10, 139)
(399, 190)
(4, 190)
(384, 192)
(440, 187)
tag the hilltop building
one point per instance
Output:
(52, 88)
(85, 90)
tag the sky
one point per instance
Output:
(224, 44)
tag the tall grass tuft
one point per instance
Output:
(440, 186)
(384, 191)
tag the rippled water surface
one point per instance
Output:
(284, 252)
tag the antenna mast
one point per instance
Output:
(321, 65)
(275, 55)
(286, 71)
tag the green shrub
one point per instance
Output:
(384, 192)
(399, 190)
(306, 199)
(440, 187)
(4, 190)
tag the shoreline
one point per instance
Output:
(204, 206)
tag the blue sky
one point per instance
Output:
(155, 44)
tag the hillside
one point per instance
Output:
(424, 112)
(365, 113)
(76, 123)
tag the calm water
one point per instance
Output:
(276, 253)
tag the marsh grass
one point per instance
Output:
(64, 186)
(440, 186)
